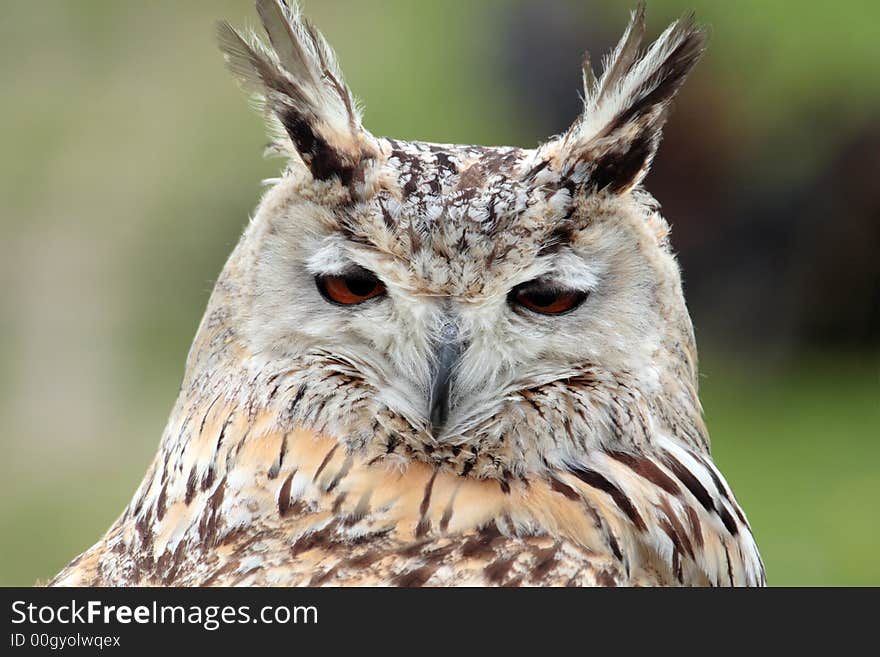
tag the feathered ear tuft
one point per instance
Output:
(299, 84)
(612, 143)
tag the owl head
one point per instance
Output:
(491, 310)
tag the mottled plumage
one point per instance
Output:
(442, 431)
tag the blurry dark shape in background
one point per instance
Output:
(539, 53)
(777, 258)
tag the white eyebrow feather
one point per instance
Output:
(572, 271)
(329, 258)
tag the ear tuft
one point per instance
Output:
(299, 84)
(612, 143)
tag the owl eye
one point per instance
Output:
(546, 298)
(350, 288)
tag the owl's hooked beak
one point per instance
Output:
(446, 356)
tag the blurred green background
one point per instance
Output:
(130, 162)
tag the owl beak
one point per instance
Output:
(446, 356)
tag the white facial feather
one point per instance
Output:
(328, 257)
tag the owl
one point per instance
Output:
(435, 364)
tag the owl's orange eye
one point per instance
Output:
(350, 288)
(547, 299)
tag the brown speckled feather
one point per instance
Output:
(235, 497)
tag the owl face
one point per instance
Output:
(520, 303)
(465, 278)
